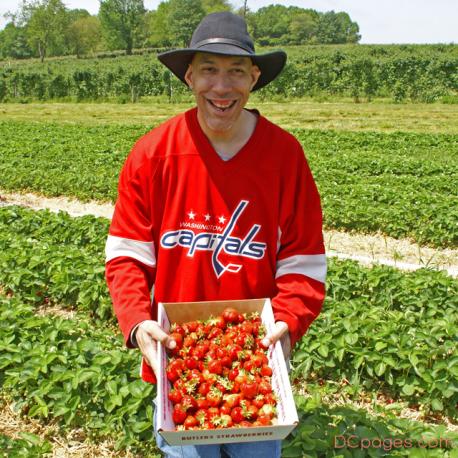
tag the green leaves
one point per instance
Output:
(398, 338)
(90, 381)
(406, 177)
(65, 269)
(343, 430)
(381, 331)
(397, 173)
(25, 446)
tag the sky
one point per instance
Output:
(380, 21)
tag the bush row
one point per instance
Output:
(346, 71)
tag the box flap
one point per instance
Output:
(164, 406)
(286, 408)
(226, 435)
(181, 312)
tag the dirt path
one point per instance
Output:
(366, 249)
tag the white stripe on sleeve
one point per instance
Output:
(311, 265)
(141, 251)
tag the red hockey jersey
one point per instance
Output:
(199, 228)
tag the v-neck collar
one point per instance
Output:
(208, 152)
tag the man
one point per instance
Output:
(217, 203)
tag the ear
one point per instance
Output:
(255, 74)
(188, 76)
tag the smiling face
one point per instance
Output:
(221, 85)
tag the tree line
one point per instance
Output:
(42, 28)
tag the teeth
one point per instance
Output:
(221, 105)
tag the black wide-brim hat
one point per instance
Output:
(225, 34)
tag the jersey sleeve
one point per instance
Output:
(130, 251)
(301, 261)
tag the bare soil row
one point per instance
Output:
(366, 249)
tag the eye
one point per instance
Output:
(208, 69)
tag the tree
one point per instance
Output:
(337, 28)
(84, 35)
(244, 8)
(184, 17)
(77, 13)
(303, 27)
(156, 26)
(216, 6)
(281, 25)
(45, 23)
(121, 22)
(271, 24)
(13, 42)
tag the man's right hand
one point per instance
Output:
(147, 335)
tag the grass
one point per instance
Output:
(379, 116)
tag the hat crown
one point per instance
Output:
(223, 26)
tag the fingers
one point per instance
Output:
(148, 334)
(155, 332)
(148, 348)
(281, 328)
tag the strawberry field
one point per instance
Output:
(379, 365)
(402, 184)
(385, 338)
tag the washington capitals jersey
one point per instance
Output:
(199, 228)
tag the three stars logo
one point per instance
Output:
(192, 216)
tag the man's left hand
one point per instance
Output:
(280, 332)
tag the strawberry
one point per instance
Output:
(237, 415)
(190, 422)
(230, 315)
(249, 389)
(215, 367)
(175, 396)
(266, 371)
(179, 414)
(265, 387)
(214, 397)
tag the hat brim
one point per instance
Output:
(270, 64)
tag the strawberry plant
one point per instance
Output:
(24, 447)
(381, 331)
(50, 258)
(68, 370)
(415, 72)
(400, 184)
(385, 330)
(346, 431)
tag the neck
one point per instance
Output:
(239, 133)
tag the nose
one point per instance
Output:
(222, 83)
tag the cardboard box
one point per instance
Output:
(287, 417)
